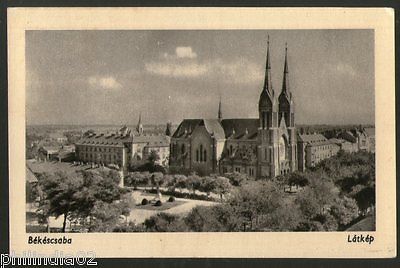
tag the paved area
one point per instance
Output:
(140, 215)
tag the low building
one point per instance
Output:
(344, 145)
(58, 137)
(48, 153)
(144, 145)
(359, 137)
(370, 131)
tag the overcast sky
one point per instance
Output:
(109, 77)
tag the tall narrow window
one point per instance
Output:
(263, 120)
(183, 149)
(205, 155)
(265, 154)
(231, 150)
(197, 155)
(201, 152)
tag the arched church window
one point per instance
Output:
(205, 155)
(183, 149)
(282, 148)
(231, 149)
(197, 155)
(201, 152)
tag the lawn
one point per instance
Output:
(164, 206)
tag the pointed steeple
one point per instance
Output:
(139, 127)
(285, 83)
(220, 109)
(268, 77)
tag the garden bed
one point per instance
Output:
(164, 206)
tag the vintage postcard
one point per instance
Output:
(202, 132)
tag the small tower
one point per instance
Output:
(139, 127)
(168, 130)
(220, 110)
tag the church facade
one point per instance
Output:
(262, 147)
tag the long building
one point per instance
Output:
(122, 147)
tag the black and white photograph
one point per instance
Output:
(200, 130)
(148, 132)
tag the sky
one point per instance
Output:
(110, 77)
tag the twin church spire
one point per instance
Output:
(268, 77)
(268, 91)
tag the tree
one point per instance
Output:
(60, 190)
(220, 218)
(79, 195)
(222, 186)
(180, 181)
(255, 201)
(236, 178)
(207, 184)
(345, 210)
(153, 157)
(297, 179)
(193, 182)
(157, 181)
(164, 222)
(365, 198)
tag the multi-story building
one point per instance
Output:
(313, 148)
(123, 147)
(261, 147)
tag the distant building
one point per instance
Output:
(360, 137)
(260, 147)
(46, 153)
(313, 148)
(58, 137)
(370, 131)
(345, 145)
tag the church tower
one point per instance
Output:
(219, 110)
(286, 119)
(139, 127)
(268, 164)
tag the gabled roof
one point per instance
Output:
(30, 177)
(186, 128)
(213, 126)
(370, 131)
(311, 138)
(242, 128)
(111, 139)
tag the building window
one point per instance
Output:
(197, 155)
(231, 149)
(201, 152)
(205, 155)
(237, 169)
(183, 149)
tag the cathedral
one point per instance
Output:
(262, 147)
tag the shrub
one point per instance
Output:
(171, 199)
(158, 203)
(145, 201)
